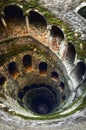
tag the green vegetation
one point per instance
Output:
(16, 49)
(51, 19)
(55, 115)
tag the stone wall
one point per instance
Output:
(65, 9)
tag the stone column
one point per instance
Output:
(48, 35)
(27, 23)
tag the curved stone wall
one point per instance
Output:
(42, 82)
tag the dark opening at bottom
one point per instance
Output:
(39, 99)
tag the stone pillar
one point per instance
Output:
(48, 35)
(3, 22)
(62, 50)
(27, 22)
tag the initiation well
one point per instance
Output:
(42, 81)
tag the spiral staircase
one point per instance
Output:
(42, 82)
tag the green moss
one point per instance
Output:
(51, 20)
(19, 49)
(14, 51)
(30, 5)
(52, 116)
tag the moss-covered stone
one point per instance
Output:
(51, 20)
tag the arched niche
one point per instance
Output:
(12, 11)
(70, 54)
(34, 86)
(15, 20)
(37, 19)
(42, 85)
(56, 37)
(79, 70)
(63, 98)
(43, 69)
(27, 62)
(20, 94)
(13, 70)
(57, 33)
(82, 12)
(2, 80)
(62, 85)
(54, 75)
